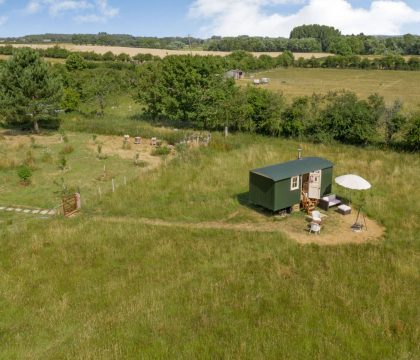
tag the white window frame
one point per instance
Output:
(292, 180)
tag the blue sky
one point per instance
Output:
(206, 17)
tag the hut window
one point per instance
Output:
(294, 183)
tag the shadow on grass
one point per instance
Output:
(161, 121)
(243, 199)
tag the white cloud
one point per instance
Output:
(87, 10)
(104, 12)
(253, 17)
(56, 7)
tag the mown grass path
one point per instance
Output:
(338, 233)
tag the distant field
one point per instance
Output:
(391, 85)
(156, 52)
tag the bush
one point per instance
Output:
(412, 137)
(75, 62)
(67, 149)
(71, 100)
(62, 163)
(25, 173)
(161, 151)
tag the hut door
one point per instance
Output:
(315, 185)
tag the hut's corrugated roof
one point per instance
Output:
(293, 168)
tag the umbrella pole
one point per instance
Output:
(356, 224)
(364, 220)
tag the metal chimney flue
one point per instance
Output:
(299, 154)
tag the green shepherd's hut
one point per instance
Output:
(284, 186)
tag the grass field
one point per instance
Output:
(84, 168)
(391, 85)
(103, 285)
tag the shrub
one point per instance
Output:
(161, 151)
(67, 149)
(62, 163)
(71, 100)
(412, 136)
(25, 174)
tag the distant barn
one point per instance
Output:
(235, 74)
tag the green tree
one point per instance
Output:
(75, 62)
(99, 85)
(191, 89)
(265, 110)
(296, 117)
(393, 120)
(348, 119)
(340, 46)
(412, 137)
(70, 100)
(324, 34)
(29, 92)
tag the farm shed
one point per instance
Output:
(283, 186)
(235, 74)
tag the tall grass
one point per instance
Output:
(90, 288)
(212, 183)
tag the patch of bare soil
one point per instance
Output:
(336, 228)
(113, 145)
(19, 140)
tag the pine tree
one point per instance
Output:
(28, 91)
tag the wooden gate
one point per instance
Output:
(71, 204)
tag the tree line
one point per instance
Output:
(319, 38)
(102, 38)
(242, 60)
(194, 91)
(305, 38)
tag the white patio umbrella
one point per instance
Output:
(354, 182)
